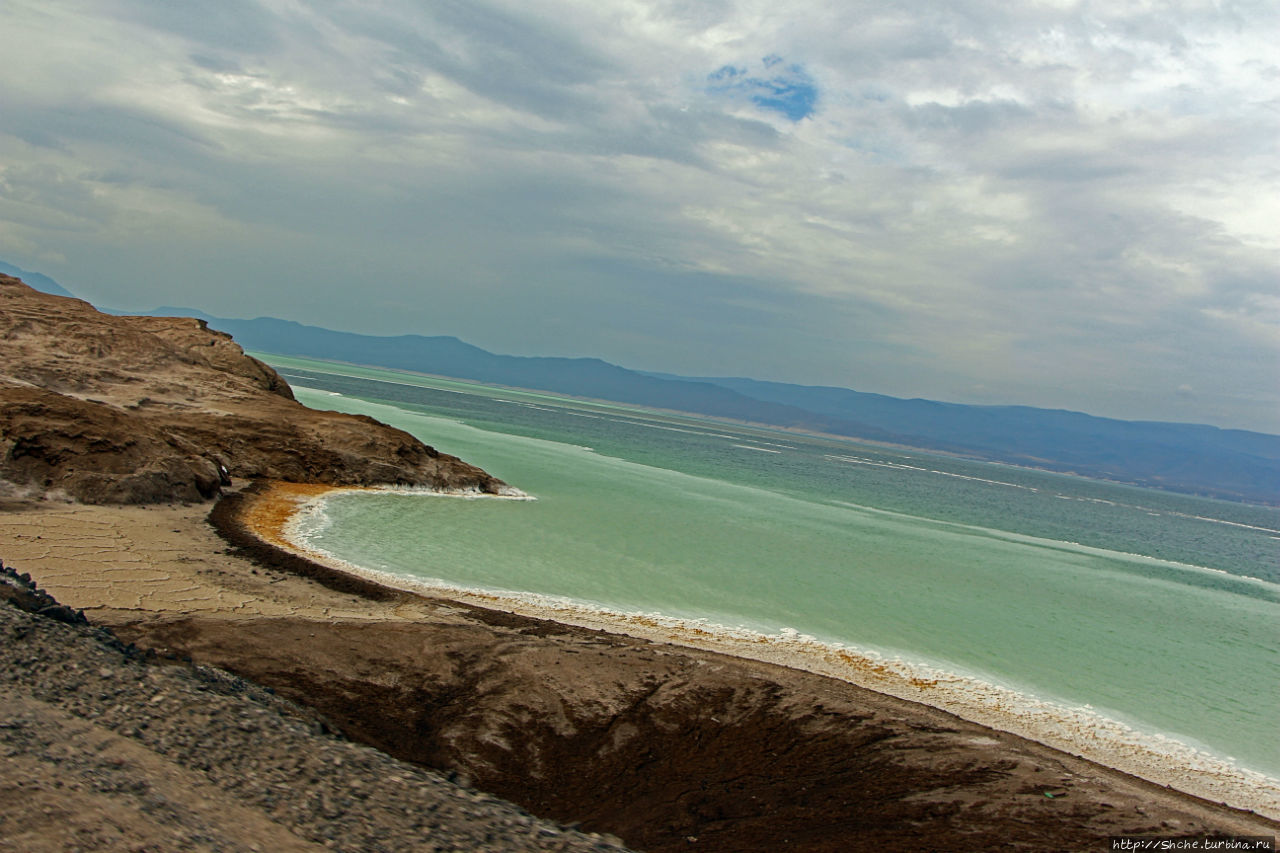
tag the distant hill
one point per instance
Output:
(1198, 459)
(39, 281)
(1184, 457)
(578, 377)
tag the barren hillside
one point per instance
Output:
(108, 409)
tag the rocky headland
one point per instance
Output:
(113, 433)
(142, 410)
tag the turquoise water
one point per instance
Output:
(1157, 610)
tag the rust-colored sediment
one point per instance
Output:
(254, 519)
(272, 506)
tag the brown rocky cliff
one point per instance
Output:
(109, 409)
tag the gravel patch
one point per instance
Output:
(105, 748)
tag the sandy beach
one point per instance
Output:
(653, 742)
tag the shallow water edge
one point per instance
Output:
(283, 509)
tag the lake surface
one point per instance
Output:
(1152, 613)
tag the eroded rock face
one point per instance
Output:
(108, 409)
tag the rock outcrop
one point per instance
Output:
(109, 409)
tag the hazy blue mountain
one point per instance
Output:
(1232, 464)
(448, 356)
(39, 281)
(1186, 457)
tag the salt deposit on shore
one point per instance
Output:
(279, 515)
(678, 725)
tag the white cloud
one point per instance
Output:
(1022, 198)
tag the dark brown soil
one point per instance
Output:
(104, 749)
(685, 751)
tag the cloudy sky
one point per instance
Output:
(1064, 204)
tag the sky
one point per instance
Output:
(1061, 204)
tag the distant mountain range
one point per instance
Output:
(1230, 464)
(39, 281)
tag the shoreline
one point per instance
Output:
(968, 455)
(274, 511)
(646, 741)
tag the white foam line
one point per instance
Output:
(770, 443)
(1079, 731)
(757, 449)
(860, 461)
(506, 493)
(857, 460)
(1024, 538)
(371, 379)
(1224, 521)
(525, 405)
(671, 428)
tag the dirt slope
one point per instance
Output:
(106, 749)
